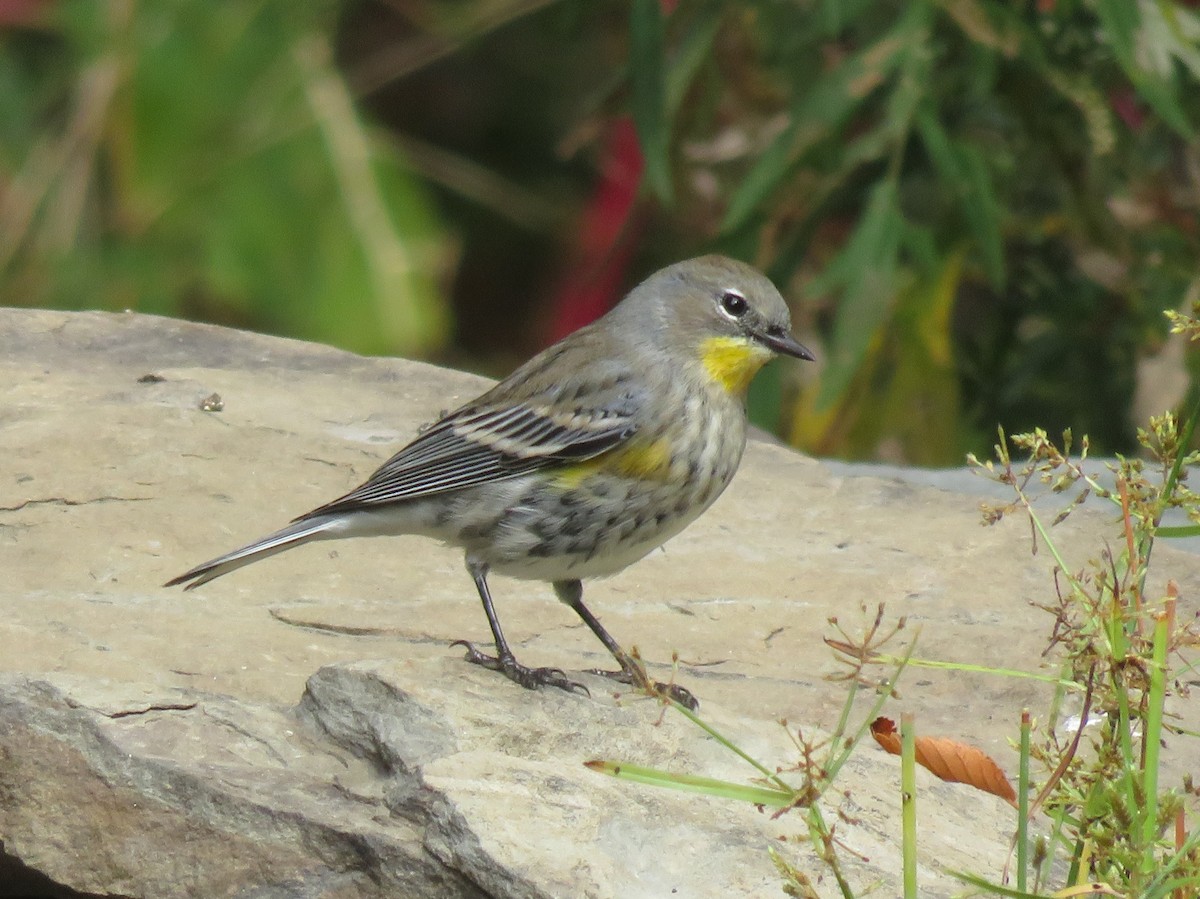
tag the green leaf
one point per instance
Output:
(821, 109)
(1168, 888)
(835, 15)
(694, 49)
(865, 270)
(965, 171)
(995, 889)
(647, 75)
(1188, 530)
(1120, 19)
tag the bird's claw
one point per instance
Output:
(674, 692)
(529, 678)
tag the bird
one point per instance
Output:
(584, 460)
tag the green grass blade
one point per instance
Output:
(994, 889)
(822, 108)
(939, 665)
(691, 783)
(1160, 887)
(908, 802)
(1023, 804)
(694, 49)
(647, 72)
(730, 745)
(1152, 737)
(1183, 530)
(835, 762)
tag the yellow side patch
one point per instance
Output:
(733, 361)
(571, 477)
(651, 461)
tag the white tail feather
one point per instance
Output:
(293, 535)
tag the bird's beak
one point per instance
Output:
(781, 341)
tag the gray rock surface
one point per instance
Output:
(301, 728)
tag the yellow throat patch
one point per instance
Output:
(733, 361)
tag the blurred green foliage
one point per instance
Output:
(987, 204)
(978, 207)
(205, 159)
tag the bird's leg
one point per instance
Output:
(632, 671)
(504, 661)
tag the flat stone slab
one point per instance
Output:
(302, 728)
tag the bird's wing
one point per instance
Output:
(481, 443)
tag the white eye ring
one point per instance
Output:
(732, 304)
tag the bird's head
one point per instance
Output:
(718, 312)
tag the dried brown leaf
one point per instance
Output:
(950, 760)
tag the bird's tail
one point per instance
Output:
(298, 532)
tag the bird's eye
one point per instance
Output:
(733, 304)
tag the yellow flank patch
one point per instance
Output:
(574, 475)
(646, 460)
(733, 361)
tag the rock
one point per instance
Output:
(301, 728)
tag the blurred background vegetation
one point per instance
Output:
(977, 208)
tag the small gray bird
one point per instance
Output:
(587, 457)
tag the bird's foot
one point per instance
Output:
(529, 678)
(636, 677)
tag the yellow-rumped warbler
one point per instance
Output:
(587, 457)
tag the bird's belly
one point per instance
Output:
(579, 535)
(597, 518)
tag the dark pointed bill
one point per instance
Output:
(783, 342)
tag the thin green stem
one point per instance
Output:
(1114, 627)
(1152, 736)
(1076, 586)
(709, 786)
(1057, 837)
(939, 665)
(1023, 804)
(844, 718)
(1185, 440)
(819, 833)
(1168, 488)
(1160, 885)
(995, 889)
(908, 801)
(848, 745)
(731, 746)
(1124, 728)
